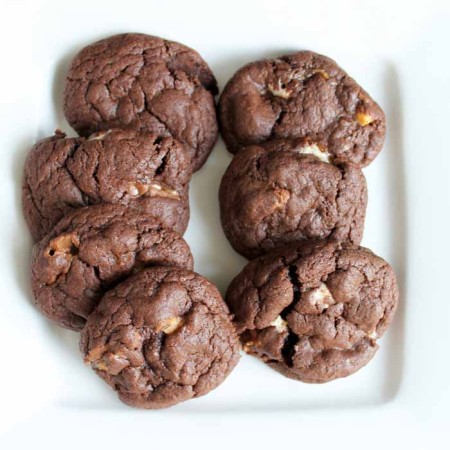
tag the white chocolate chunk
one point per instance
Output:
(133, 190)
(138, 189)
(280, 324)
(302, 75)
(315, 150)
(321, 297)
(169, 325)
(372, 335)
(111, 363)
(279, 90)
(99, 136)
(163, 191)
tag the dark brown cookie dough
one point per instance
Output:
(280, 193)
(145, 82)
(314, 312)
(117, 166)
(302, 95)
(93, 249)
(161, 337)
(46, 158)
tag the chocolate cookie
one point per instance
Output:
(302, 95)
(283, 191)
(161, 337)
(314, 312)
(117, 166)
(140, 81)
(93, 249)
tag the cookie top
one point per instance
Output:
(281, 192)
(302, 95)
(93, 249)
(118, 166)
(315, 311)
(145, 82)
(161, 337)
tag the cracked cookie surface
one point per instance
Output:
(117, 166)
(301, 95)
(314, 312)
(144, 82)
(277, 193)
(92, 250)
(163, 336)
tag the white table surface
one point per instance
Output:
(409, 43)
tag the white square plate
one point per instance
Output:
(47, 392)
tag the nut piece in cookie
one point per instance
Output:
(114, 166)
(90, 251)
(297, 96)
(60, 252)
(283, 192)
(315, 311)
(161, 337)
(144, 82)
